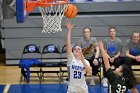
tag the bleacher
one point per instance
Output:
(97, 14)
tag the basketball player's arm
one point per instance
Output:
(134, 90)
(86, 66)
(107, 55)
(69, 27)
(104, 55)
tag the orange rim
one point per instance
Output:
(29, 6)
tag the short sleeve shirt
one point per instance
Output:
(134, 48)
(112, 47)
(86, 43)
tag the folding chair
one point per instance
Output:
(30, 61)
(99, 74)
(63, 63)
(100, 70)
(51, 60)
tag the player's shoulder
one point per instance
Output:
(109, 69)
(110, 72)
(70, 55)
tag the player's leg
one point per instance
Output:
(71, 89)
(83, 89)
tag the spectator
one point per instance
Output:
(91, 52)
(113, 48)
(133, 50)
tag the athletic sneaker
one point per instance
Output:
(104, 82)
(66, 81)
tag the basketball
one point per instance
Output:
(71, 11)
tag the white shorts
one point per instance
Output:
(78, 89)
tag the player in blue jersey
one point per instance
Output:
(77, 65)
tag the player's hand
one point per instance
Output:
(69, 25)
(82, 56)
(138, 58)
(95, 62)
(100, 44)
(111, 60)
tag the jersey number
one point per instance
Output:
(77, 74)
(121, 89)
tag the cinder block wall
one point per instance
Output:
(99, 16)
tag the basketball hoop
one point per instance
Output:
(52, 17)
(52, 12)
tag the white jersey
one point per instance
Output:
(76, 73)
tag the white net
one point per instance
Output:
(52, 17)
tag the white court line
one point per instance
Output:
(6, 89)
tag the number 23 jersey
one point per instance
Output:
(76, 71)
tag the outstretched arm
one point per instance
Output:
(69, 26)
(104, 55)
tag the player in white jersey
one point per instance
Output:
(77, 66)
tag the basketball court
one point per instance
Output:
(10, 83)
(27, 25)
(49, 88)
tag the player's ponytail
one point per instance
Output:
(129, 76)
